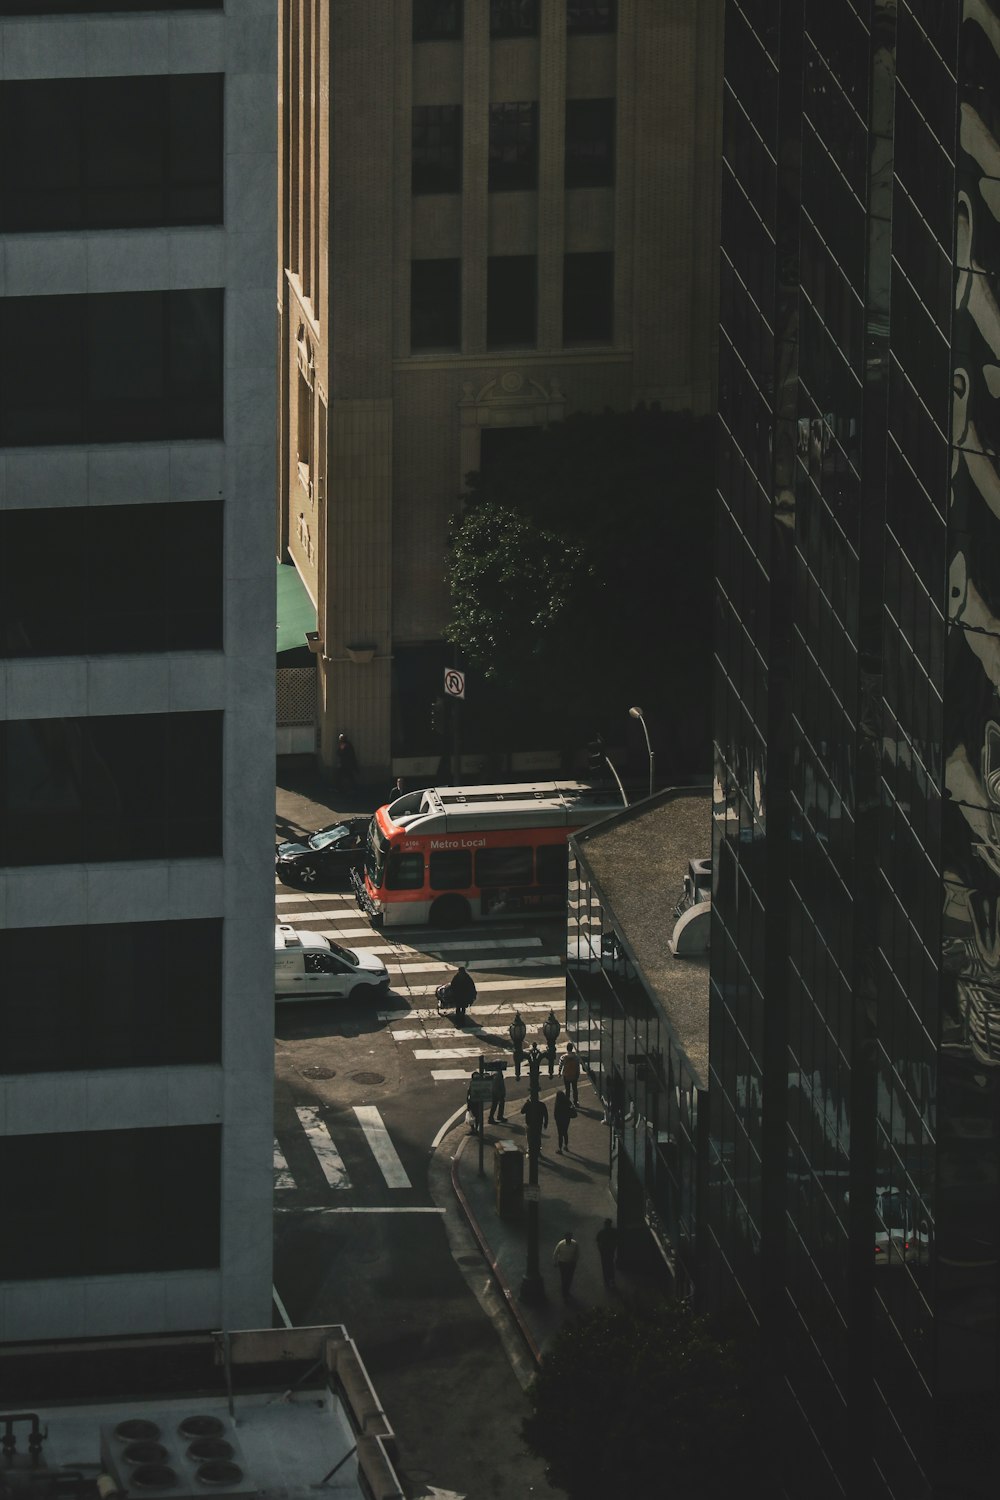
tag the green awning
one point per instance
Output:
(296, 614)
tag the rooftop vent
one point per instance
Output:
(176, 1460)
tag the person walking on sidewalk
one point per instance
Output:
(517, 1031)
(570, 1070)
(346, 772)
(564, 1258)
(607, 1247)
(498, 1102)
(563, 1112)
(536, 1119)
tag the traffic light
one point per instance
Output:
(595, 756)
(439, 717)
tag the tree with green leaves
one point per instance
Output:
(580, 570)
(644, 1402)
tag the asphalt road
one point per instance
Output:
(367, 1230)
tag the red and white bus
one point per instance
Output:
(446, 855)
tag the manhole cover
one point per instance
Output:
(368, 1077)
(318, 1072)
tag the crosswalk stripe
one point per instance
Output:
(494, 984)
(494, 1010)
(490, 945)
(383, 1150)
(282, 1176)
(326, 1153)
(447, 1075)
(428, 1054)
(302, 899)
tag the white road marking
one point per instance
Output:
(451, 1120)
(282, 1176)
(357, 1208)
(445, 1075)
(303, 898)
(458, 945)
(442, 1033)
(495, 984)
(422, 1054)
(496, 1010)
(383, 1150)
(325, 1151)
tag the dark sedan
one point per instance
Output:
(326, 857)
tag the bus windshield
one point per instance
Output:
(375, 854)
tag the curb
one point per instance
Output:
(498, 1276)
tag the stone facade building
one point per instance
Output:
(493, 215)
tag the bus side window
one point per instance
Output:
(451, 870)
(551, 861)
(503, 867)
(405, 872)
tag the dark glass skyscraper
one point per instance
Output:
(854, 1183)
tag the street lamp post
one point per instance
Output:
(636, 713)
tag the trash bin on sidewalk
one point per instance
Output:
(508, 1179)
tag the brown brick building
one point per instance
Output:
(492, 215)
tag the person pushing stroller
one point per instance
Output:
(460, 992)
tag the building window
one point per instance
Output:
(588, 298)
(128, 1201)
(115, 367)
(435, 304)
(106, 153)
(513, 18)
(110, 787)
(143, 995)
(437, 20)
(513, 146)
(587, 16)
(511, 302)
(78, 7)
(437, 148)
(590, 142)
(121, 578)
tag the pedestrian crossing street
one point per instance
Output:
(323, 1157)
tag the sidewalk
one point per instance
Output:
(575, 1196)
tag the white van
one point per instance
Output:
(308, 966)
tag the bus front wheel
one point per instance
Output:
(450, 911)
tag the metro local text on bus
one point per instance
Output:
(444, 843)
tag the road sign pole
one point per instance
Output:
(456, 741)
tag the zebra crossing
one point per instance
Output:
(334, 1153)
(332, 1157)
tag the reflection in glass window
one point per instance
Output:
(404, 872)
(110, 787)
(503, 866)
(513, 18)
(167, 1180)
(591, 15)
(513, 146)
(102, 153)
(111, 367)
(435, 304)
(511, 301)
(437, 20)
(143, 994)
(437, 148)
(590, 142)
(120, 578)
(451, 869)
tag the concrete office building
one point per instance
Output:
(493, 215)
(853, 1207)
(137, 175)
